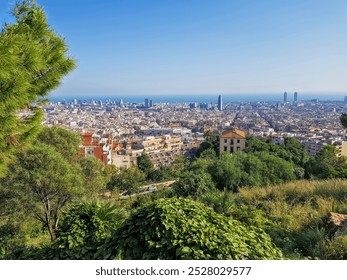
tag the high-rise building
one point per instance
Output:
(345, 99)
(285, 96)
(150, 103)
(146, 103)
(193, 105)
(295, 96)
(220, 103)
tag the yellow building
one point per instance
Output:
(162, 151)
(342, 149)
(232, 140)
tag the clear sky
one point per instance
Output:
(162, 47)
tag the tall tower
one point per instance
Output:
(295, 96)
(220, 103)
(146, 103)
(285, 96)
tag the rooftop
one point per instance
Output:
(234, 133)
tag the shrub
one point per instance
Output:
(84, 228)
(337, 248)
(180, 228)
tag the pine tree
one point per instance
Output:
(33, 60)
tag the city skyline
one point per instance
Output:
(148, 101)
(200, 47)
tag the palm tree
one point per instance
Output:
(221, 201)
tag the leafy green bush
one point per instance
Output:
(337, 248)
(179, 228)
(84, 228)
(8, 238)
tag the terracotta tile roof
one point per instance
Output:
(234, 133)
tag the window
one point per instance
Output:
(225, 149)
(225, 140)
(231, 149)
(238, 141)
(89, 152)
(232, 142)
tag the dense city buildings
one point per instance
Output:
(118, 132)
(94, 146)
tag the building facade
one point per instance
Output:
(97, 147)
(285, 96)
(232, 140)
(220, 103)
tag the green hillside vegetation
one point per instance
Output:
(65, 216)
(270, 201)
(289, 217)
(295, 215)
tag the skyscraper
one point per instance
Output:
(295, 96)
(220, 103)
(285, 96)
(146, 103)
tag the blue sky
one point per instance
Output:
(168, 47)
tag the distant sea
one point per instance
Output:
(204, 98)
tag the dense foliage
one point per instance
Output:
(33, 61)
(125, 180)
(43, 182)
(94, 176)
(295, 215)
(192, 184)
(84, 228)
(64, 141)
(180, 228)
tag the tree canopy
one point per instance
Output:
(144, 163)
(64, 141)
(124, 180)
(94, 175)
(43, 182)
(327, 165)
(192, 184)
(33, 61)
